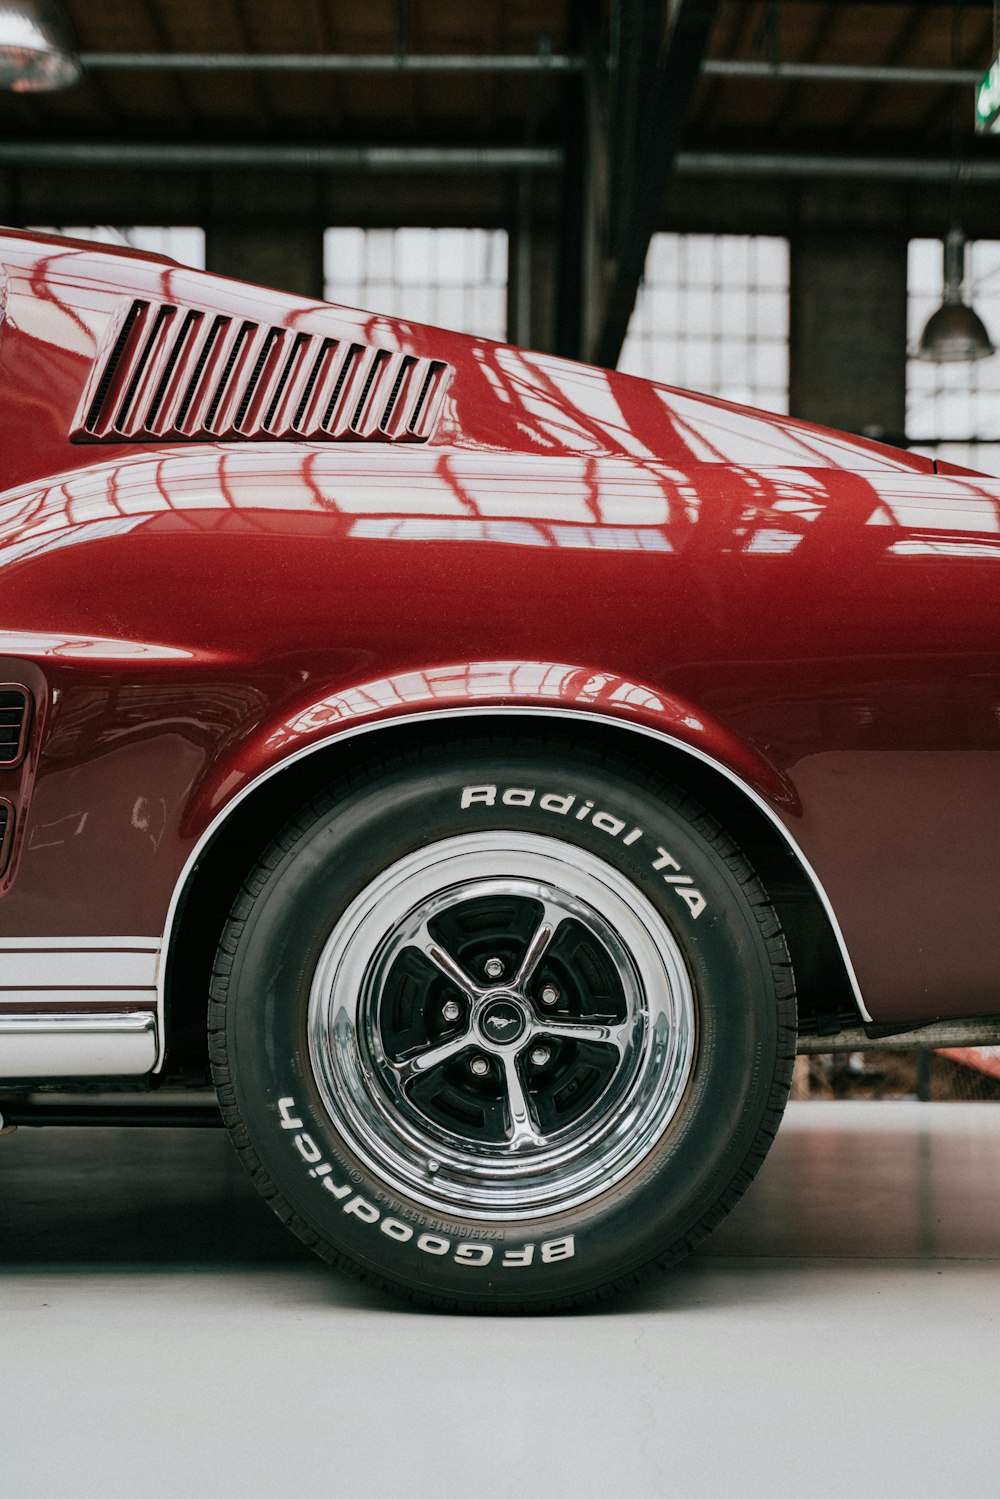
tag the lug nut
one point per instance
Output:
(539, 1056)
(480, 1066)
(451, 1009)
(550, 995)
(494, 968)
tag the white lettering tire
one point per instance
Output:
(502, 1027)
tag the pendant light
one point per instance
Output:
(36, 52)
(954, 332)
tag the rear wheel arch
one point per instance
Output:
(825, 991)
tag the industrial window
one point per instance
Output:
(953, 410)
(183, 243)
(454, 278)
(712, 316)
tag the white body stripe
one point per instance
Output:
(79, 944)
(84, 968)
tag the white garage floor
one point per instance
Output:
(160, 1336)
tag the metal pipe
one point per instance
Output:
(860, 168)
(823, 72)
(185, 154)
(84, 1115)
(941, 1033)
(531, 62)
(166, 154)
(338, 62)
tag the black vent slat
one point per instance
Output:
(187, 374)
(422, 398)
(378, 364)
(111, 367)
(14, 723)
(298, 344)
(406, 365)
(184, 333)
(234, 353)
(211, 339)
(272, 337)
(354, 353)
(163, 316)
(325, 348)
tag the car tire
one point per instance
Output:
(502, 1025)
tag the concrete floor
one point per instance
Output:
(160, 1335)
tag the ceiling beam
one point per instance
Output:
(335, 62)
(358, 62)
(780, 164)
(823, 72)
(248, 156)
(668, 82)
(80, 154)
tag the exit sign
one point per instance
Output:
(988, 100)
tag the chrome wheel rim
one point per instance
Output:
(453, 1073)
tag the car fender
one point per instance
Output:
(490, 690)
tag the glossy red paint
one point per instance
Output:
(816, 613)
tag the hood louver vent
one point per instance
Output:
(181, 375)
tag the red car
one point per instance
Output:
(482, 767)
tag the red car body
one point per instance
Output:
(240, 530)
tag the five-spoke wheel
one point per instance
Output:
(501, 1023)
(478, 1042)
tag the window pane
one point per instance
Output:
(456, 278)
(183, 243)
(712, 314)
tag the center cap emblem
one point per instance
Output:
(502, 1021)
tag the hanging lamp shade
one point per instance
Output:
(36, 50)
(954, 333)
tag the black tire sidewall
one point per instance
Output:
(669, 1200)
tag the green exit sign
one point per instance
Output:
(988, 100)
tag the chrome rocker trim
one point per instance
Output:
(61, 1043)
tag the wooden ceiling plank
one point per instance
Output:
(496, 45)
(411, 90)
(96, 81)
(784, 115)
(873, 94)
(732, 40)
(261, 90)
(319, 29)
(179, 83)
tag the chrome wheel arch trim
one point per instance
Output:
(439, 715)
